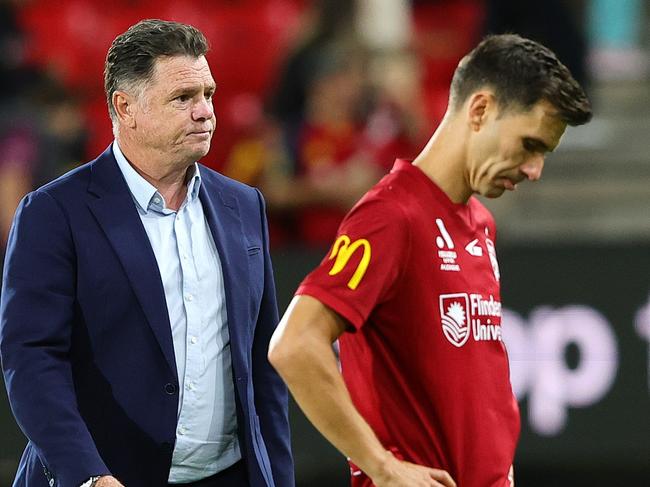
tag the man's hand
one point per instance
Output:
(108, 481)
(397, 473)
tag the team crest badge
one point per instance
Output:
(454, 317)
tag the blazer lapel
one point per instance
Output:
(118, 217)
(222, 212)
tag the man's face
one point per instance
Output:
(174, 114)
(511, 147)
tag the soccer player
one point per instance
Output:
(411, 287)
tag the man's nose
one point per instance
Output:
(533, 167)
(203, 110)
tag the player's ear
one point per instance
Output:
(478, 107)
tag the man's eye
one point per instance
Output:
(183, 98)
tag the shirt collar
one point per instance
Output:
(143, 192)
(194, 184)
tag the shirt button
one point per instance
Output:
(193, 340)
(190, 386)
(185, 256)
(189, 297)
(182, 430)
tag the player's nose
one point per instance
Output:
(533, 167)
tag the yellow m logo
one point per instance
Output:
(343, 251)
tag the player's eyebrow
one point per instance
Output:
(538, 144)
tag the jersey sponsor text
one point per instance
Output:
(459, 311)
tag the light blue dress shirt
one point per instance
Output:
(206, 433)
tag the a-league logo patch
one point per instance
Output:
(492, 253)
(455, 319)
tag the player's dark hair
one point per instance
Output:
(132, 55)
(521, 72)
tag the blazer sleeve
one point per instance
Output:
(271, 396)
(37, 311)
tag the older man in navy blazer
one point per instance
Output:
(139, 301)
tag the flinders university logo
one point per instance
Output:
(454, 313)
(463, 314)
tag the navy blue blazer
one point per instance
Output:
(86, 343)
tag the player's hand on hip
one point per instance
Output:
(397, 473)
(108, 481)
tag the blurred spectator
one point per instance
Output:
(63, 134)
(261, 159)
(444, 31)
(334, 162)
(15, 147)
(17, 157)
(399, 122)
(324, 22)
(385, 25)
(14, 70)
(42, 135)
(41, 129)
(270, 154)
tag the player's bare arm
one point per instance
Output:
(301, 351)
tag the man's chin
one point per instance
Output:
(199, 151)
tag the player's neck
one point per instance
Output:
(444, 159)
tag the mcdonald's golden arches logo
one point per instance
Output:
(343, 250)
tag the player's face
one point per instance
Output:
(175, 115)
(510, 147)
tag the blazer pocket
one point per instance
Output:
(254, 250)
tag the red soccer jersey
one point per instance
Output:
(417, 278)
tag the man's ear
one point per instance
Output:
(124, 105)
(479, 106)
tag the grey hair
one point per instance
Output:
(131, 58)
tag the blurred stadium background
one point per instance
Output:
(316, 99)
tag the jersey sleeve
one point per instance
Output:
(363, 264)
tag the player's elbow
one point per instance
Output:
(285, 352)
(281, 353)
(302, 339)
